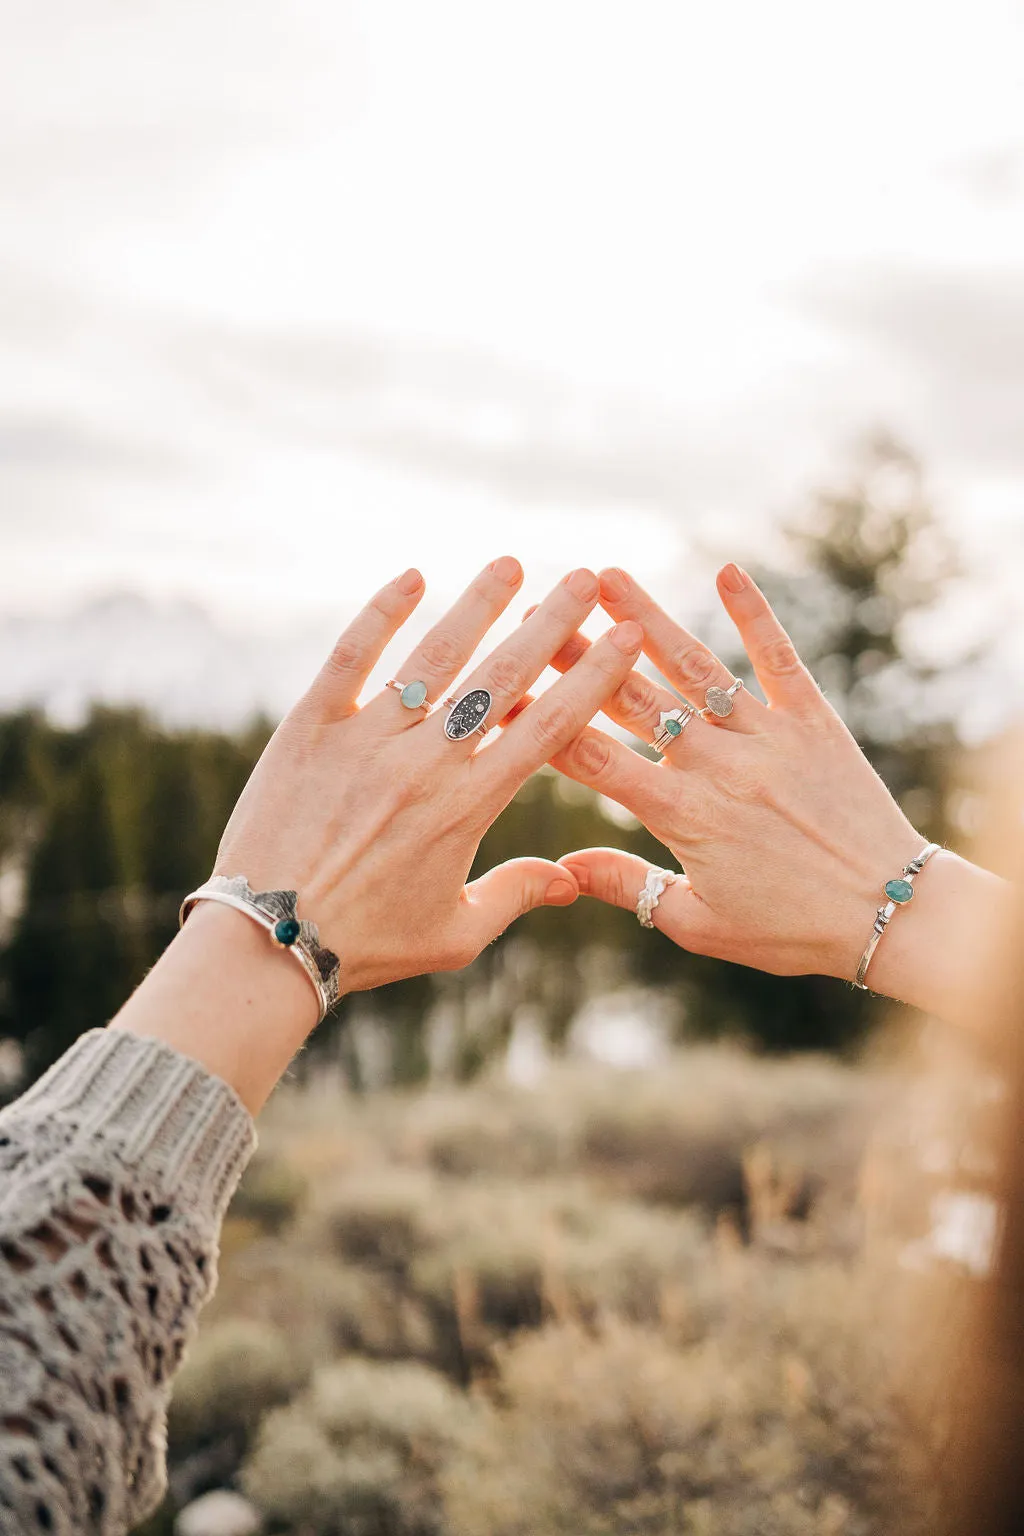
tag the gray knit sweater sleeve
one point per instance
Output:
(115, 1171)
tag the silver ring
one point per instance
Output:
(412, 695)
(656, 884)
(671, 725)
(718, 701)
(468, 714)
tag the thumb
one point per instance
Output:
(494, 901)
(618, 878)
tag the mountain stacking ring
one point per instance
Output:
(671, 723)
(718, 701)
(468, 714)
(412, 695)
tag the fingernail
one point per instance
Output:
(733, 579)
(529, 613)
(614, 585)
(581, 875)
(410, 582)
(627, 636)
(506, 569)
(560, 893)
(582, 584)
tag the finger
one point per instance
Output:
(637, 704)
(557, 717)
(618, 878)
(335, 690)
(687, 663)
(509, 671)
(448, 646)
(613, 769)
(494, 901)
(786, 681)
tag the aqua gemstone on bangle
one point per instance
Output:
(286, 931)
(673, 727)
(899, 890)
(414, 695)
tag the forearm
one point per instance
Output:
(222, 994)
(942, 952)
(115, 1170)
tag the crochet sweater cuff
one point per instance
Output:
(159, 1106)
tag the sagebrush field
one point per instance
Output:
(660, 1302)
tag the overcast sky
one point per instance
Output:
(295, 293)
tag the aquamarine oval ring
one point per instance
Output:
(412, 695)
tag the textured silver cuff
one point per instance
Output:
(276, 910)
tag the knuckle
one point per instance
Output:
(347, 657)
(635, 699)
(442, 653)
(779, 657)
(384, 606)
(693, 663)
(589, 756)
(508, 675)
(554, 724)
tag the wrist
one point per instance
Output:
(225, 995)
(938, 951)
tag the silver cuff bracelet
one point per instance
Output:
(276, 911)
(899, 892)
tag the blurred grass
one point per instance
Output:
(616, 1303)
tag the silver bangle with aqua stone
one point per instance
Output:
(671, 725)
(898, 891)
(276, 912)
(413, 695)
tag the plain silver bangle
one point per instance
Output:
(899, 891)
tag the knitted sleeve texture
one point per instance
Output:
(115, 1172)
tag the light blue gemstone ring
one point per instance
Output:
(412, 695)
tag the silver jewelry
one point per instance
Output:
(656, 884)
(276, 911)
(468, 714)
(718, 701)
(412, 695)
(899, 892)
(671, 724)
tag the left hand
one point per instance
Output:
(785, 831)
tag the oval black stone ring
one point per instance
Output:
(468, 714)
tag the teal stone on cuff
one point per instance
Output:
(414, 695)
(673, 727)
(899, 891)
(286, 931)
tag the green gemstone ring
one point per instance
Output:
(671, 723)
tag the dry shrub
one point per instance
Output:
(233, 1373)
(271, 1193)
(780, 1422)
(359, 1453)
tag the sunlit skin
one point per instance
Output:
(374, 817)
(785, 831)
